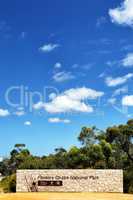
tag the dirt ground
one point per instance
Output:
(66, 196)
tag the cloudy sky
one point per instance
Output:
(63, 65)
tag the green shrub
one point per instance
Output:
(8, 184)
(128, 180)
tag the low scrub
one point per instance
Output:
(8, 184)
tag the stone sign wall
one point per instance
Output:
(70, 180)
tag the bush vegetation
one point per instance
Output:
(8, 184)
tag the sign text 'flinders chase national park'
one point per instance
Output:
(70, 180)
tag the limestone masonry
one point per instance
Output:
(68, 180)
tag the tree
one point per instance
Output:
(19, 147)
(122, 136)
(74, 158)
(95, 155)
(87, 136)
(107, 150)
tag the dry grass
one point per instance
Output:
(66, 196)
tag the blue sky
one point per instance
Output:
(77, 56)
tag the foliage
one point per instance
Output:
(8, 184)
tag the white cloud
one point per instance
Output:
(63, 76)
(57, 65)
(112, 82)
(127, 100)
(71, 100)
(4, 113)
(121, 90)
(123, 15)
(62, 104)
(48, 47)
(128, 60)
(58, 120)
(19, 113)
(27, 123)
(82, 93)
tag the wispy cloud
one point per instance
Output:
(72, 100)
(75, 66)
(112, 82)
(63, 76)
(128, 47)
(4, 112)
(4, 27)
(128, 60)
(23, 35)
(57, 65)
(101, 41)
(123, 15)
(100, 21)
(103, 74)
(112, 101)
(111, 63)
(5, 30)
(86, 66)
(58, 120)
(121, 90)
(46, 48)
